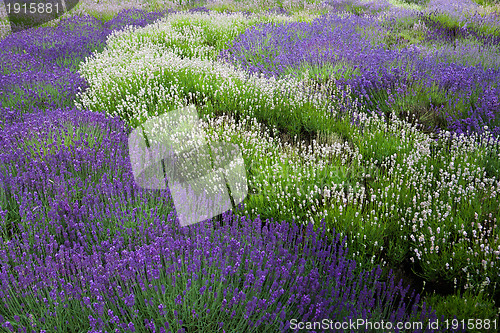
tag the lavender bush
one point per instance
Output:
(229, 278)
(182, 73)
(38, 65)
(466, 98)
(39, 71)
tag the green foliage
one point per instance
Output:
(47, 94)
(427, 106)
(490, 160)
(404, 38)
(323, 74)
(477, 310)
(487, 2)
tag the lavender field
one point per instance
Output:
(370, 135)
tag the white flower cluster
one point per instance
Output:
(439, 186)
(285, 176)
(143, 72)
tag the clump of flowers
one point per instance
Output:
(146, 72)
(235, 276)
(337, 47)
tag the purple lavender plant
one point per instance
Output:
(40, 71)
(135, 16)
(38, 66)
(465, 96)
(275, 48)
(237, 276)
(449, 31)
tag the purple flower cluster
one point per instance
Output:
(37, 70)
(69, 167)
(376, 75)
(38, 66)
(272, 49)
(134, 16)
(200, 9)
(254, 277)
(439, 31)
(75, 37)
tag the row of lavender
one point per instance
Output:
(85, 248)
(466, 98)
